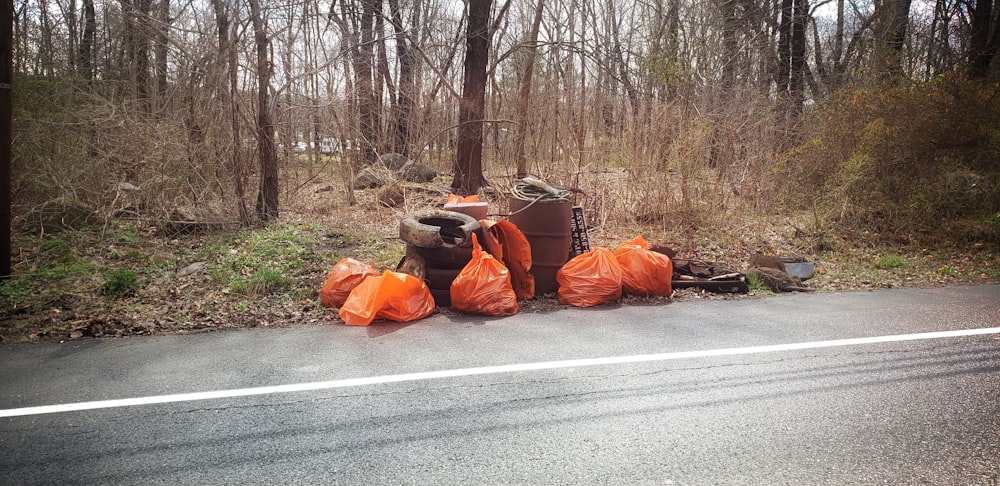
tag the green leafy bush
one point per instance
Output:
(121, 283)
(890, 262)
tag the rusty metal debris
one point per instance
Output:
(708, 276)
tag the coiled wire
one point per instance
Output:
(534, 190)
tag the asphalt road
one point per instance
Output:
(700, 392)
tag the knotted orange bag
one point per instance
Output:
(395, 296)
(343, 277)
(508, 244)
(483, 286)
(592, 278)
(644, 272)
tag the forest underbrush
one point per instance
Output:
(125, 277)
(897, 186)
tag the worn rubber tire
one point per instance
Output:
(434, 228)
(447, 256)
(440, 278)
(442, 298)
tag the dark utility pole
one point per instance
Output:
(6, 113)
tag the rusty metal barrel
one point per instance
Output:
(546, 225)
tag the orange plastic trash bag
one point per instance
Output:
(592, 278)
(483, 286)
(508, 244)
(394, 296)
(644, 272)
(343, 277)
(456, 199)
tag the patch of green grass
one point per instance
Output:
(121, 283)
(57, 258)
(891, 261)
(14, 290)
(301, 294)
(57, 249)
(64, 270)
(262, 261)
(340, 238)
(158, 263)
(381, 253)
(125, 234)
(218, 275)
(757, 285)
(285, 248)
(265, 280)
(949, 271)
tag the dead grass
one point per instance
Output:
(55, 293)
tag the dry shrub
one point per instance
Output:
(84, 142)
(702, 166)
(48, 148)
(900, 161)
(672, 169)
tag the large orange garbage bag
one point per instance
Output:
(483, 286)
(343, 277)
(644, 272)
(592, 278)
(394, 296)
(508, 244)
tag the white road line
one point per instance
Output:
(486, 370)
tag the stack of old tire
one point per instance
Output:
(442, 242)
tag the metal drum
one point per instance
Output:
(546, 225)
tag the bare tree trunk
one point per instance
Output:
(267, 194)
(20, 37)
(784, 46)
(137, 40)
(730, 44)
(469, 154)
(583, 110)
(72, 32)
(314, 135)
(822, 66)
(406, 87)
(620, 60)
(524, 92)
(797, 60)
(6, 110)
(364, 84)
(984, 47)
(230, 93)
(46, 49)
(383, 81)
(891, 20)
(355, 26)
(838, 46)
(162, 39)
(85, 61)
(792, 54)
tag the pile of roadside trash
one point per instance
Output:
(457, 257)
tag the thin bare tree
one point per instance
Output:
(267, 193)
(524, 92)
